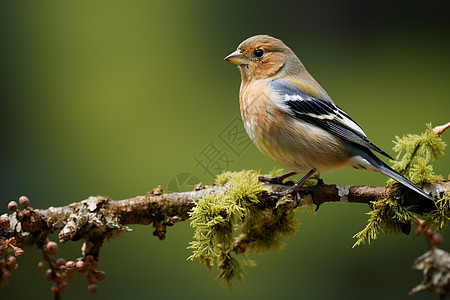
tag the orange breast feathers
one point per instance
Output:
(290, 143)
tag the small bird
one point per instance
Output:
(292, 120)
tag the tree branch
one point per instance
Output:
(100, 217)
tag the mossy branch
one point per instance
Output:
(109, 217)
(99, 217)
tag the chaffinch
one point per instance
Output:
(292, 120)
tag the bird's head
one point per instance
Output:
(263, 56)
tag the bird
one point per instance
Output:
(292, 120)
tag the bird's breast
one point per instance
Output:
(289, 142)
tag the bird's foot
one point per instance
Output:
(296, 188)
(277, 179)
(294, 192)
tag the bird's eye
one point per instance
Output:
(259, 52)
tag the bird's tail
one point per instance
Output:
(366, 159)
(394, 175)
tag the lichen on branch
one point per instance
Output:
(394, 213)
(218, 219)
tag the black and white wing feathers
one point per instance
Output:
(321, 113)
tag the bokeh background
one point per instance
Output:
(117, 97)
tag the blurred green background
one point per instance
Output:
(117, 97)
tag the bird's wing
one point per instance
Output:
(306, 106)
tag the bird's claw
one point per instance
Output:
(295, 193)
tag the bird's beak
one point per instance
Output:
(237, 58)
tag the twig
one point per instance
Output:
(439, 130)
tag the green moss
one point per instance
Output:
(233, 222)
(213, 228)
(268, 229)
(414, 153)
(387, 216)
(392, 215)
(223, 178)
(438, 219)
(231, 269)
